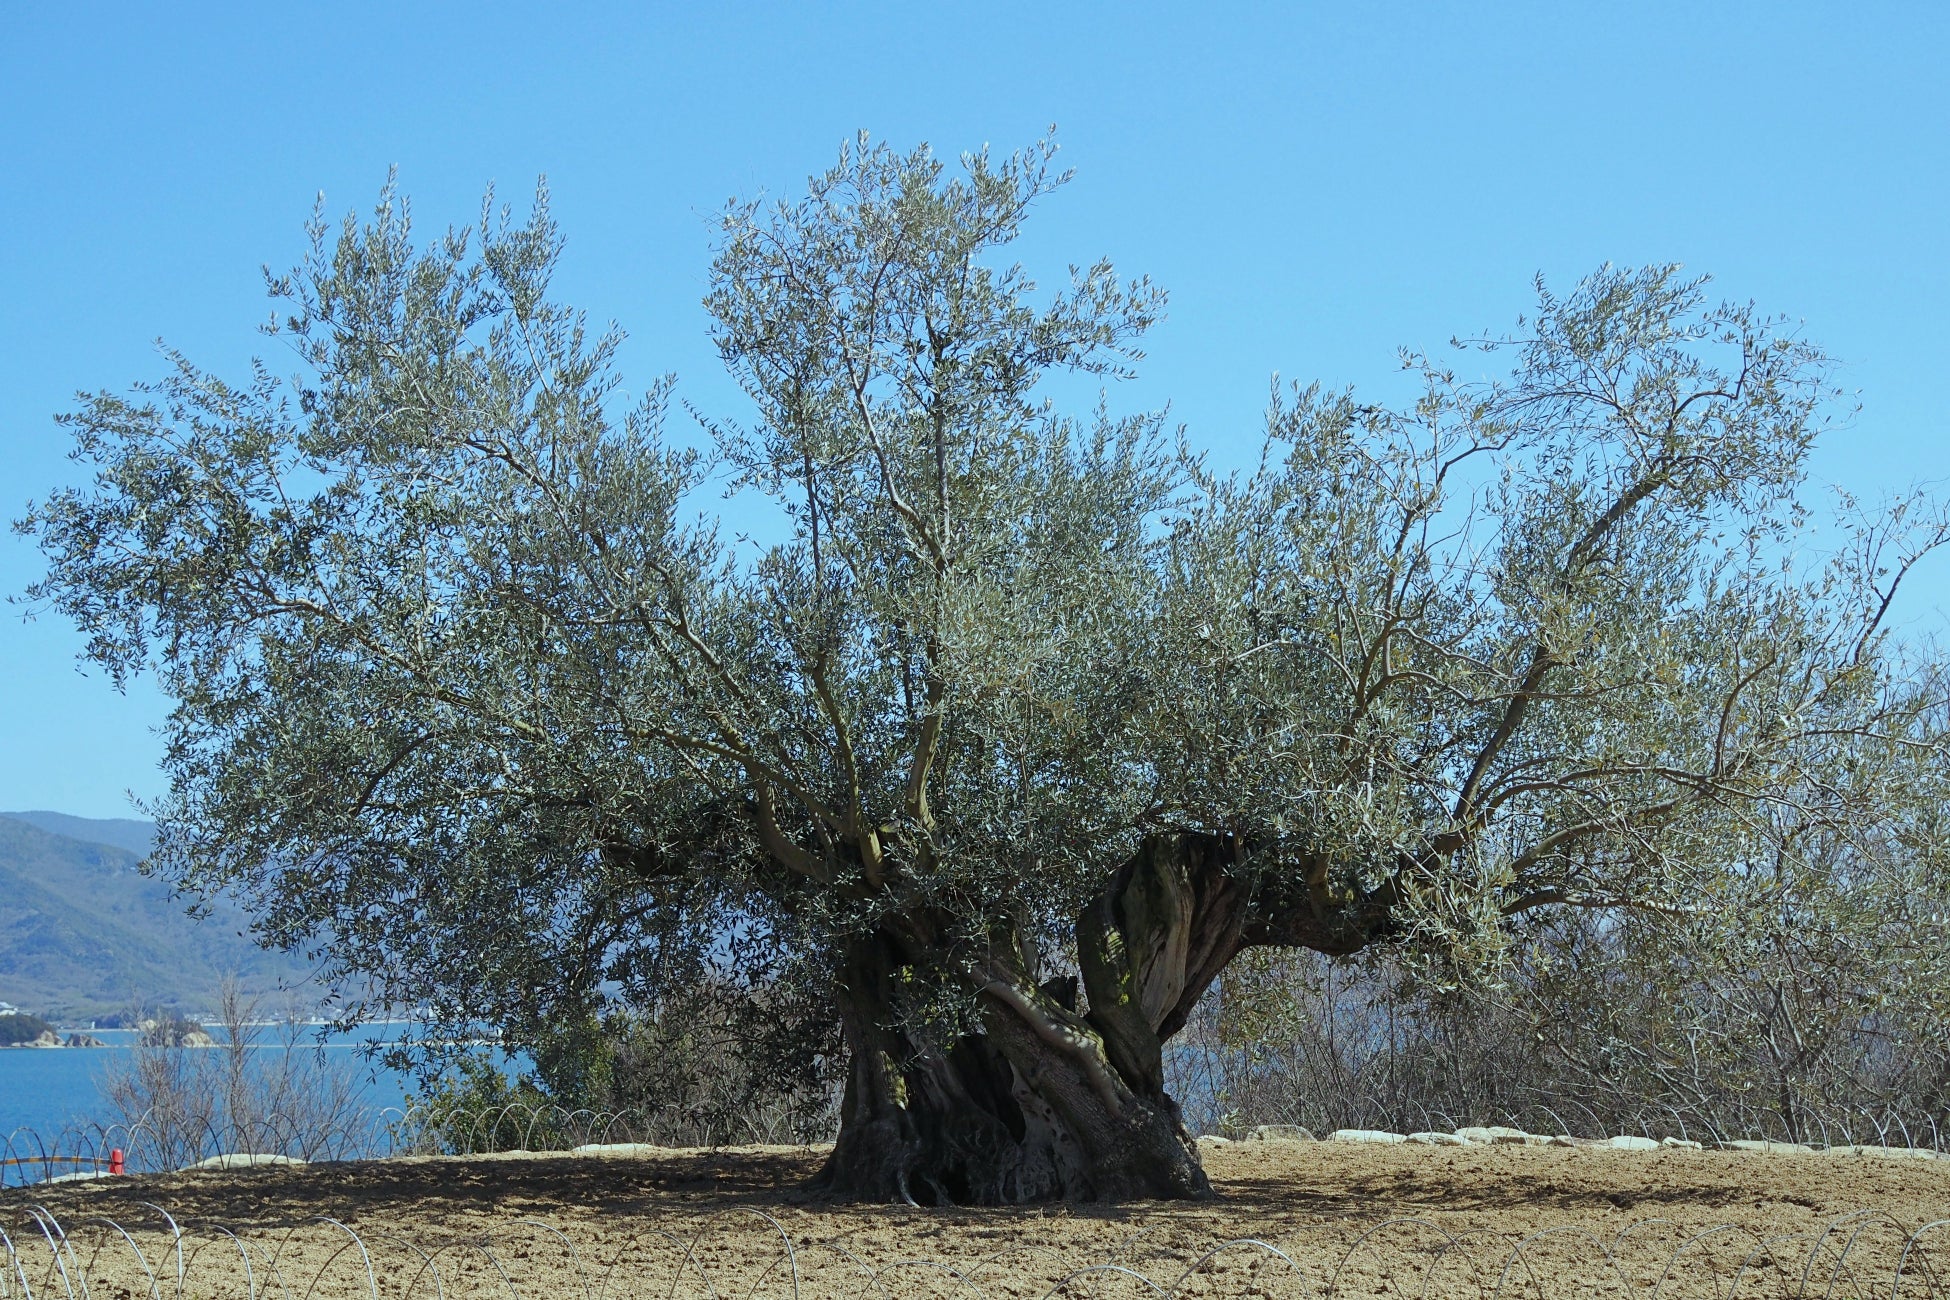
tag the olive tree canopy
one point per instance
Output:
(1029, 720)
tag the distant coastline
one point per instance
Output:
(53, 1039)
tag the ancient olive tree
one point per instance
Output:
(1016, 725)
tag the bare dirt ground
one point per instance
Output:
(1299, 1219)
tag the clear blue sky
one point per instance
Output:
(1316, 184)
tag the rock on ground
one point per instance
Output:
(1374, 1135)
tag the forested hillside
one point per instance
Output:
(84, 933)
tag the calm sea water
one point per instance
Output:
(48, 1088)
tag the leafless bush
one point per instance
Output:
(275, 1094)
(1585, 1039)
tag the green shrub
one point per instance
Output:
(709, 1064)
(476, 1108)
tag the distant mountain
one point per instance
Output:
(84, 933)
(121, 832)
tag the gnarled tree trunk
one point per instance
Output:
(1046, 1100)
(1028, 1108)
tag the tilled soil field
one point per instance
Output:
(1291, 1219)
